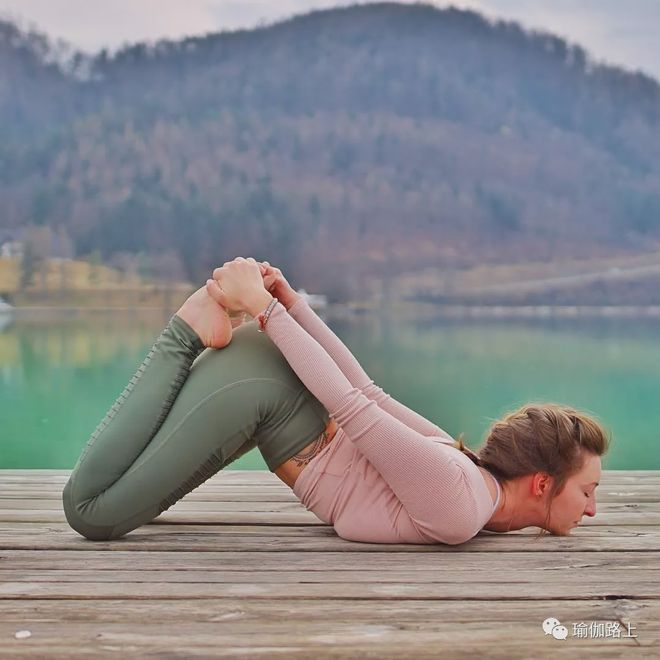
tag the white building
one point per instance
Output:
(11, 249)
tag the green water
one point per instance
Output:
(58, 376)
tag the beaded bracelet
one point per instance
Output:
(262, 317)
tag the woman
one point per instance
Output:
(357, 458)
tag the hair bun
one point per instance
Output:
(460, 445)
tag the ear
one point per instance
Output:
(214, 290)
(542, 483)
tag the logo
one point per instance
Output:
(591, 630)
(552, 627)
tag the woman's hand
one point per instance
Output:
(238, 285)
(277, 285)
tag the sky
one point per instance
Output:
(621, 32)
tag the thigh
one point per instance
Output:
(284, 415)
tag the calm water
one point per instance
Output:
(58, 377)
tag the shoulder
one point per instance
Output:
(481, 491)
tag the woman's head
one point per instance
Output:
(556, 451)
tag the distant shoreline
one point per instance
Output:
(550, 311)
(421, 309)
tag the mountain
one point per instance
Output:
(341, 145)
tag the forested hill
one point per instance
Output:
(336, 144)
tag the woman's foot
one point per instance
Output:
(207, 318)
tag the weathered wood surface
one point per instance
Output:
(239, 568)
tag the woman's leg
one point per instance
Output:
(182, 418)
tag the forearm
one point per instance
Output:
(308, 319)
(357, 376)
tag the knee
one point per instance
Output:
(94, 532)
(89, 530)
(79, 521)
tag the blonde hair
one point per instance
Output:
(539, 437)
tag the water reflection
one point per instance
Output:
(77, 341)
(464, 375)
(60, 374)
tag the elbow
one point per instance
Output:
(350, 530)
(456, 532)
(458, 539)
(442, 534)
(459, 534)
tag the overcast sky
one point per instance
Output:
(623, 32)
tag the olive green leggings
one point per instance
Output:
(185, 414)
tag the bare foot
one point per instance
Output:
(207, 318)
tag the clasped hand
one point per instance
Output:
(238, 285)
(246, 285)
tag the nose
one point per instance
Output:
(591, 509)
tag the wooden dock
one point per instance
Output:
(239, 568)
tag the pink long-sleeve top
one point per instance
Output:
(389, 475)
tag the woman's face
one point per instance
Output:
(577, 499)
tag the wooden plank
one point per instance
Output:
(294, 517)
(602, 587)
(552, 564)
(267, 538)
(218, 494)
(237, 616)
(338, 640)
(457, 576)
(55, 504)
(285, 503)
(293, 514)
(232, 611)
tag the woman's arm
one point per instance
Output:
(351, 368)
(423, 473)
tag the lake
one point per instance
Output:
(59, 375)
